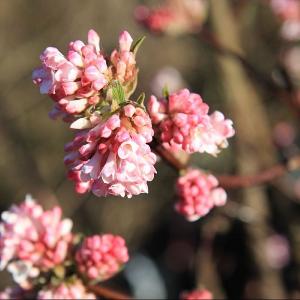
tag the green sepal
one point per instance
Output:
(140, 100)
(165, 92)
(137, 44)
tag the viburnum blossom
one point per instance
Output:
(66, 290)
(197, 295)
(289, 13)
(198, 193)
(183, 123)
(113, 156)
(77, 82)
(33, 240)
(101, 257)
(123, 61)
(173, 17)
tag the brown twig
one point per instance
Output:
(286, 92)
(108, 293)
(238, 181)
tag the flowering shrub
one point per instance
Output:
(37, 246)
(111, 154)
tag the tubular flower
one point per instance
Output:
(101, 257)
(123, 61)
(33, 240)
(197, 295)
(73, 82)
(113, 156)
(78, 81)
(72, 290)
(183, 123)
(198, 194)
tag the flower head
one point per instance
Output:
(66, 290)
(33, 240)
(113, 156)
(198, 194)
(183, 123)
(101, 257)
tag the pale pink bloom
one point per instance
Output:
(167, 77)
(173, 17)
(33, 240)
(198, 193)
(197, 295)
(123, 61)
(289, 13)
(113, 156)
(277, 251)
(183, 123)
(291, 60)
(74, 81)
(101, 256)
(66, 290)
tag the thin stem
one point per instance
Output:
(108, 293)
(238, 181)
(286, 92)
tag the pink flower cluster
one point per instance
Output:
(76, 82)
(65, 290)
(33, 240)
(183, 123)
(289, 13)
(197, 295)
(37, 247)
(173, 17)
(101, 257)
(198, 194)
(113, 156)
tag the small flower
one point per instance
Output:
(33, 240)
(123, 61)
(197, 295)
(101, 257)
(198, 193)
(66, 290)
(113, 156)
(183, 123)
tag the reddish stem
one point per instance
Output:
(108, 293)
(238, 181)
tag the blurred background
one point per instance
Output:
(251, 247)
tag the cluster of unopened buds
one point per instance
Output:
(288, 11)
(110, 153)
(48, 261)
(173, 17)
